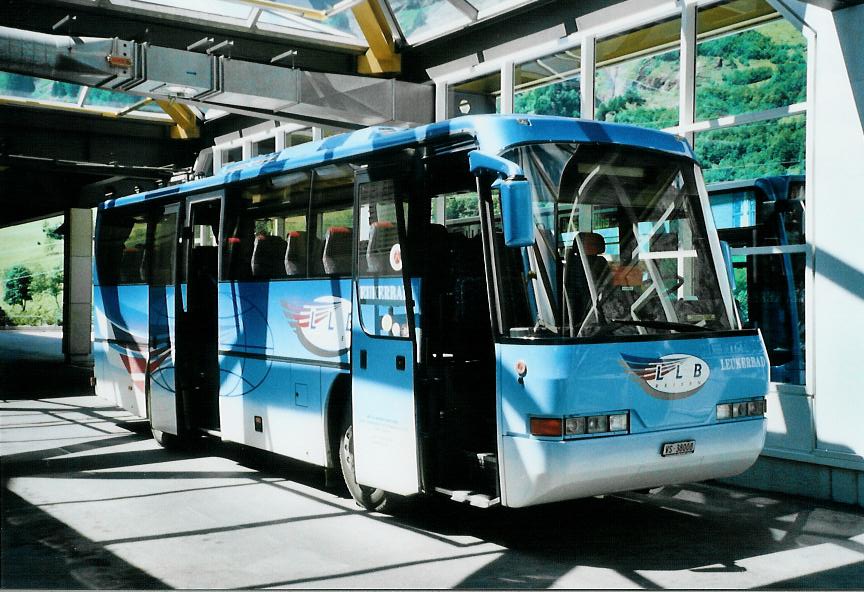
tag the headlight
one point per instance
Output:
(739, 409)
(605, 423)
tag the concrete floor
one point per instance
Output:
(90, 501)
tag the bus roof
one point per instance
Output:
(493, 133)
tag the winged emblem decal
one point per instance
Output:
(669, 377)
(324, 326)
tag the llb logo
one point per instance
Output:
(323, 327)
(670, 377)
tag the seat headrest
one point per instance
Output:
(295, 253)
(337, 250)
(337, 236)
(267, 256)
(592, 243)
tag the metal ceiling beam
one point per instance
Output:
(381, 57)
(242, 87)
(22, 161)
(166, 26)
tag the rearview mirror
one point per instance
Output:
(516, 213)
(517, 216)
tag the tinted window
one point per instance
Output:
(266, 230)
(332, 215)
(120, 247)
(163, 250)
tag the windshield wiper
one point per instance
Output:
(542, 325)
(614, 324)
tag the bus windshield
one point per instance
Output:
(621, 247)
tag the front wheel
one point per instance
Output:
(370, 498)
(166, 440)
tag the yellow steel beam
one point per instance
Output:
(381, 57)
(185, 123)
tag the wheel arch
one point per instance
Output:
(336, 404)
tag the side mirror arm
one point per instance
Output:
(479, 161)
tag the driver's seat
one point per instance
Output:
(578, 292)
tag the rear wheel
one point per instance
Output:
(370, 498)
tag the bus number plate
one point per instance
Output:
(673, 448)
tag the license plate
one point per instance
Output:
(673, 448)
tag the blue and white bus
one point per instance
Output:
(575, 337)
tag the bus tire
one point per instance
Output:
(166, 440)
(370, 498)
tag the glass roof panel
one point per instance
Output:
(263, 17)
(342, 23)
(52, 94)
(725, 16)
(497, 5)
(39, 89)
(272, 17)
(425, 19)
(99, 97)
(218, 7)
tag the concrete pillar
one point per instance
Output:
(835, 178)
(77, 285)
(825, 456)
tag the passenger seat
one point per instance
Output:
(337, 251)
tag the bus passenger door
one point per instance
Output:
(162, 351)
(198, 334)
(382, 344)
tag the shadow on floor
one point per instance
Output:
(32, 366)
(697, 530)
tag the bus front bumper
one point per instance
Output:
(537, 471)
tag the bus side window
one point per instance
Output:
(160, 256)
(265, 230)
(333, 218)
(120, 247)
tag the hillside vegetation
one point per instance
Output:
(31, 274)
(753, 70)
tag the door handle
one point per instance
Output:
(400, 363)
(362, 359)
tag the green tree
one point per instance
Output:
(51, 233)
(608, 110)
(459, 207)
(52, 236)
(18, 280)
(561, 99)
(50, 282)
